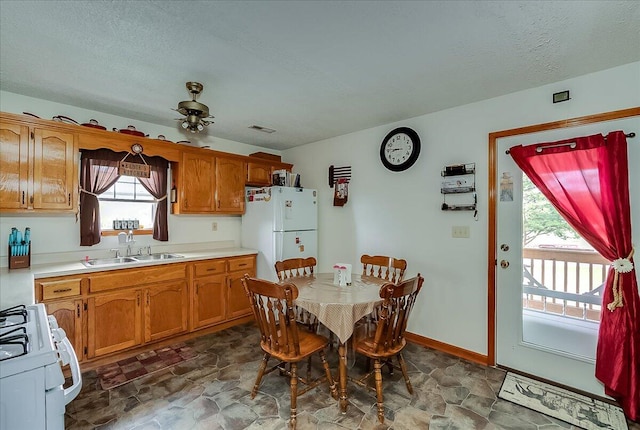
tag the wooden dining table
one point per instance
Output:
(338, 308)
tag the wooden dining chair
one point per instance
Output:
(383, 267)
(296, 267)
(388, 340)
(272, 306)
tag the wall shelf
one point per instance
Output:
(459, 180)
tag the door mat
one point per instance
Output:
(123, 371)
(565, 405)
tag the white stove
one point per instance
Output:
(32, 350)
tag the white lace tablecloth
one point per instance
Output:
(338, 308)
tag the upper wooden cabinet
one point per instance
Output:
(209, 184)
(196, 176)
(39, 169)
(229, 185)
(39, 165)
(259, 174)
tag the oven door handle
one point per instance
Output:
(71, 392)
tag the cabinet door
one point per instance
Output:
(54, 170)
(208, 300)
(69, 315)
(114, 322)
(259, 174)
(165, 310)
(197, 184)
(14, 165)
(229, 185)
(238, 303)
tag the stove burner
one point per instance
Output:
(13, 343)
(13, 316)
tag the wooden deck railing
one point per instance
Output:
(564, 282)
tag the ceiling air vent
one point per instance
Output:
(262, 129)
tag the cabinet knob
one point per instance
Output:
(23, 197)
(31, 199)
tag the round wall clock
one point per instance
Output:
(400, 149)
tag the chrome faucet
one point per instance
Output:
(129, 250)
(148, 249)
(117, 252)
(130, 238)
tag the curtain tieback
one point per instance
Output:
(161, 198)
(82, 190)
(621, 265)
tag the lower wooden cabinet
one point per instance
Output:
(114, 322)
(238, 303)
(208, 301)
(166, 310)
(107, 312)
(69, 314)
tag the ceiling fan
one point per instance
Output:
(195, 112)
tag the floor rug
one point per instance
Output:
(123, 371)
(565, 405)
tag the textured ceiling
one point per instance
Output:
(310, 70)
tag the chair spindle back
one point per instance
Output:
(273, 309)
(398, 300)
(383, 267)
(294, 267)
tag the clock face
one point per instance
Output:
(400, 149)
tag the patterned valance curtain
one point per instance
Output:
(587, 181)
(98, 172)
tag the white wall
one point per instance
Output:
(61, 233)
(399, 213)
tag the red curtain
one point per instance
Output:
(588, 183)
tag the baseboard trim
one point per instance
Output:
(449, 349)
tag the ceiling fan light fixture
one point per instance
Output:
(194, 111)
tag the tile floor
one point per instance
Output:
(212, 391)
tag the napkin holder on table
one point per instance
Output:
(342, 274)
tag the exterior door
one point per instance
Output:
(544, 356)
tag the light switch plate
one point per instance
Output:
(460, 231)
(214, 226)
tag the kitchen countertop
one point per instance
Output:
(17, 285)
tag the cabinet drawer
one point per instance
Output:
(114, 279)
(213, 267)
(58, 289)
(244, 263)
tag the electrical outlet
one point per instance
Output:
(214, 226)
(460, 231)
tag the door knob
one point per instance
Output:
(504, 264)
(504, 247)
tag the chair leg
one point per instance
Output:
(309, 368)
(261, 370)
(390, 367)
(377, 365)
(403, 366)
(294, 395)
(332, 384)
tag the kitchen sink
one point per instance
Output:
(108, 261)
(158, 256)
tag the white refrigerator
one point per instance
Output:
(281, 223)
